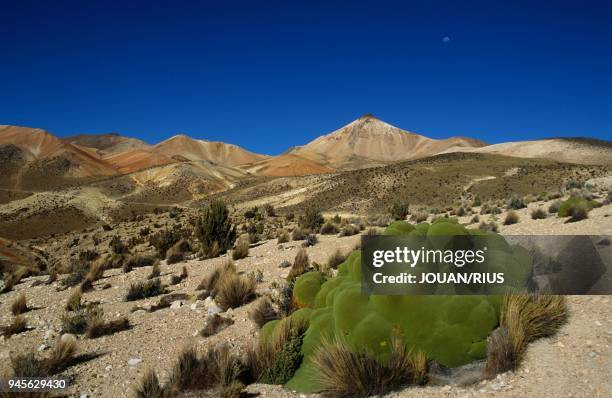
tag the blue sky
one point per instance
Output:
(267, 75)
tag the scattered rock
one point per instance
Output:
(176, 304)
(134, 361)
(68, 338)
(284, 264)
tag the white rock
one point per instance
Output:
(84, 396)
(214, 309)
(42, 347)
(108, 368)
(134, 361)
(176, 304)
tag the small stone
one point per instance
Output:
(592, 354)
(176, 304)
(284, 264)
(214, 309)
(134, 361)
(597, 323)
(84, 396)
(108, 368)
(42, 347)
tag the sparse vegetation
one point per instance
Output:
(575, 208)
(155, 271)
(241, 249)
(263, 312)
(28, 365)
(233, 290)
(283, 236)
(311, 220)
(329, 228)
(490, 226)
(214, 324)
(97, 327)
(336, 258)
(399, 210)
(19, 325)
(538, 214)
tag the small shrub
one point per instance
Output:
(117, 246)
(299, 234)
(215, 226)
(312, 220)
(300, 265)
(349, 230)
(511, 218)
(28, 365)
(310, 240)
(329, 228)
(209, 282)
(97, 327)
(77, 275)
(76, 322)
(176, 279)
(399, 210)
(149, 387)
(165, 239)
(538, 214)
(177, 252)
(475, 219)
(420, 216)
(515, 203)
(144, 289)
(575, 208)
(241, 250)
(20, 305)
(263, 312)
(137, 261)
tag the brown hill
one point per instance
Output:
(216, 152)
(107, 144)
(369, 140)
(46, 154)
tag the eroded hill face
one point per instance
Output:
(107, 144)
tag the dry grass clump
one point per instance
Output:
(329, 228)
(336, 258)
(155, 271)
(75, 321)
(74, 300)
(283, 236)
(274, 360)
(144, 289)
(209, 282)
(97, 327)
(511, 218)
(177, 252)
(20, 305)
(137, 261)
(343, 373)
(60, 358)
(215, 372)
(241, 249)
(299, 234)
(538, 214)
(300, 265)
(523, 319)
(490, 226)
(215, 323)
(349, 230)
(176, 279)
(233, 290)
(554, 207)
(420, 216)
(263, 312)
(19, 325)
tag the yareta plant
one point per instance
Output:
(450, 329)
(214, 229)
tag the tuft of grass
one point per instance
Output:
(241, 249)
(155, 271)
(176, 279)
(538, 214)
(149, 386)
(28, 365)
(283, 236)
(421, 216)
(74, 300)
(274, 360)
(233, 290)
(554, 207)
(490, 226)
(144, 289)
(76, 321)
(20, 305)
(511, 218)
(263, 312)
(344, 373)
(19, 325)
(336, 258)
(216, 370)
(349, 230)
(209, 282)
(523, 319)
(300, 265)
(137, 261)
(475, 219)
(96, 327)
(214, 324)
(299, 234)
(575, 208)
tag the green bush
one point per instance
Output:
(214, 229)
(312, 220)
(399, 210)
(576, 208)
(450, 329)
